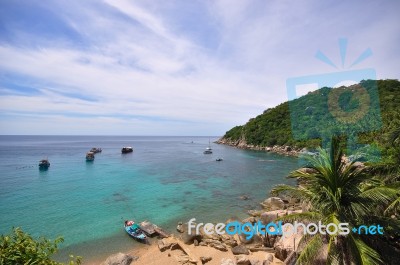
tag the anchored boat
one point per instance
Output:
(44, 164)
(127, 149)
(89, 156)
(96, 150)
(135, 231)
(208, 149)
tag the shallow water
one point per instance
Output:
(165, 180)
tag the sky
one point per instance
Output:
(119, 67)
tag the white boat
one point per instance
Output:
(208, 149)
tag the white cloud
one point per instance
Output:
(135, 66)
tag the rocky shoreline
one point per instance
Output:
(213, 249)
(282, 150)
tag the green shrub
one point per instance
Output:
(20, 248)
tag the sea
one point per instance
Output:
(165, 180)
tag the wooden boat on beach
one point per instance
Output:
(135, 231)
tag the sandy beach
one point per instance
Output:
(151, 255)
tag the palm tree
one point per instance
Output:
(338, 192)
(395, 136)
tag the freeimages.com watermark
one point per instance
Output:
(278, 228)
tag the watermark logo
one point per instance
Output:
(278, 228)
(340, 111)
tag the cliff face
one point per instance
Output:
(292, 126)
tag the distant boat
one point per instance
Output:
(135, 231)
(127, 149)
(208, 149)
(44, 164)
(89, 156)
(96, 150)
(219, 159)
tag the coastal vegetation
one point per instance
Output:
(20, 248)
(335, 187)
(341, 191)
(368, 118)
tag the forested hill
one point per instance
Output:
(353, 111)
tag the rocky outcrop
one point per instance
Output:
(242, 260)
(238, 250)
(242, 144)
(225, 261)
(273, 203)
(205, 259)
(119, 259)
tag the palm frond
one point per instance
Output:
(395, 205)
(361, 253)
(310, 251)
(395, 136)
(306, 216)
(296, 192)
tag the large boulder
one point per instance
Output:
(226, 261)
(180, 228)
(242, 260)
(244, 240)
(280, 252)
(273, 203)
(205, 259)
(307, 170)
(240, 249)
(254, 213)
(269, 259)
(119, 259)
(271, 216)
(189, 238)
(218, 245)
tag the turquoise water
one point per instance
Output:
(165, 180)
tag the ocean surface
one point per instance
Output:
(165, 180)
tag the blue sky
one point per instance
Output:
(119, 67)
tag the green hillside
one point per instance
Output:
(368, 112)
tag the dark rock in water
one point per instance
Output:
(119, 259)
(180, 228)
(244, 197)
(240, 250)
